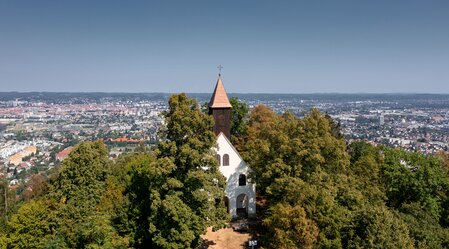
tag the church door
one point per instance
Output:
(242, 206)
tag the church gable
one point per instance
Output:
(228, 158)
(224, 141)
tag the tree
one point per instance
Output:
(3, 241)
(444, 157)
(272, 146)
(29, 226)
(290, 228)
(176, 194)
(81, 179)
(365, 172)
(281, 145)
(7, 200)
(97, 232)
(323, 150)
(424, 228)
(189, 143)
(78, 188)
(239, 122)
(335, 127)
(147, 183)
(300, 167)
(35, 187)
(377, 227)
(412, 177)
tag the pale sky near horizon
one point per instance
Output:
(342, 46)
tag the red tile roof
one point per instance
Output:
(125, 139)
(219, 97)
(64, 153)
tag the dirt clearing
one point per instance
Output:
(225, 238)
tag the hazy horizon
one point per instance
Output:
(232, 93)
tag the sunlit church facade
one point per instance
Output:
(240, 191)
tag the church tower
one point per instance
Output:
(240, 200)
(220, 109)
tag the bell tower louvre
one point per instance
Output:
(220, 109)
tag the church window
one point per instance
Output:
(242, 180)
(225, 160)
(218, 159)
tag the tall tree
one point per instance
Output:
(7, 201)
(377, 227)
(78, 189)
(239, 121)
(189, 143)
(30, 225)
(299, 167)
(180, 192)
(289, 227)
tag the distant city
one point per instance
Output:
(38, 130)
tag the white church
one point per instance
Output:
(240, 191)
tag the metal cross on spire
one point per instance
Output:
(219, 69)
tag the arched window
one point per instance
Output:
(218, 159)
(242, 180)
(225, 160)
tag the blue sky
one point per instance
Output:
(264, 46)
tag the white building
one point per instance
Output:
(240, 191)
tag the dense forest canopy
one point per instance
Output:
(321, 193)
(314, 190)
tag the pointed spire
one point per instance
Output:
(219, 97)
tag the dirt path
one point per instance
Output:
(224, 239)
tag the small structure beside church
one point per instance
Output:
(240, 191)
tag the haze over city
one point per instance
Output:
(264, 46)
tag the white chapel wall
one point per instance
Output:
(232, 172)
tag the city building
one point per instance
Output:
(60, 156)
